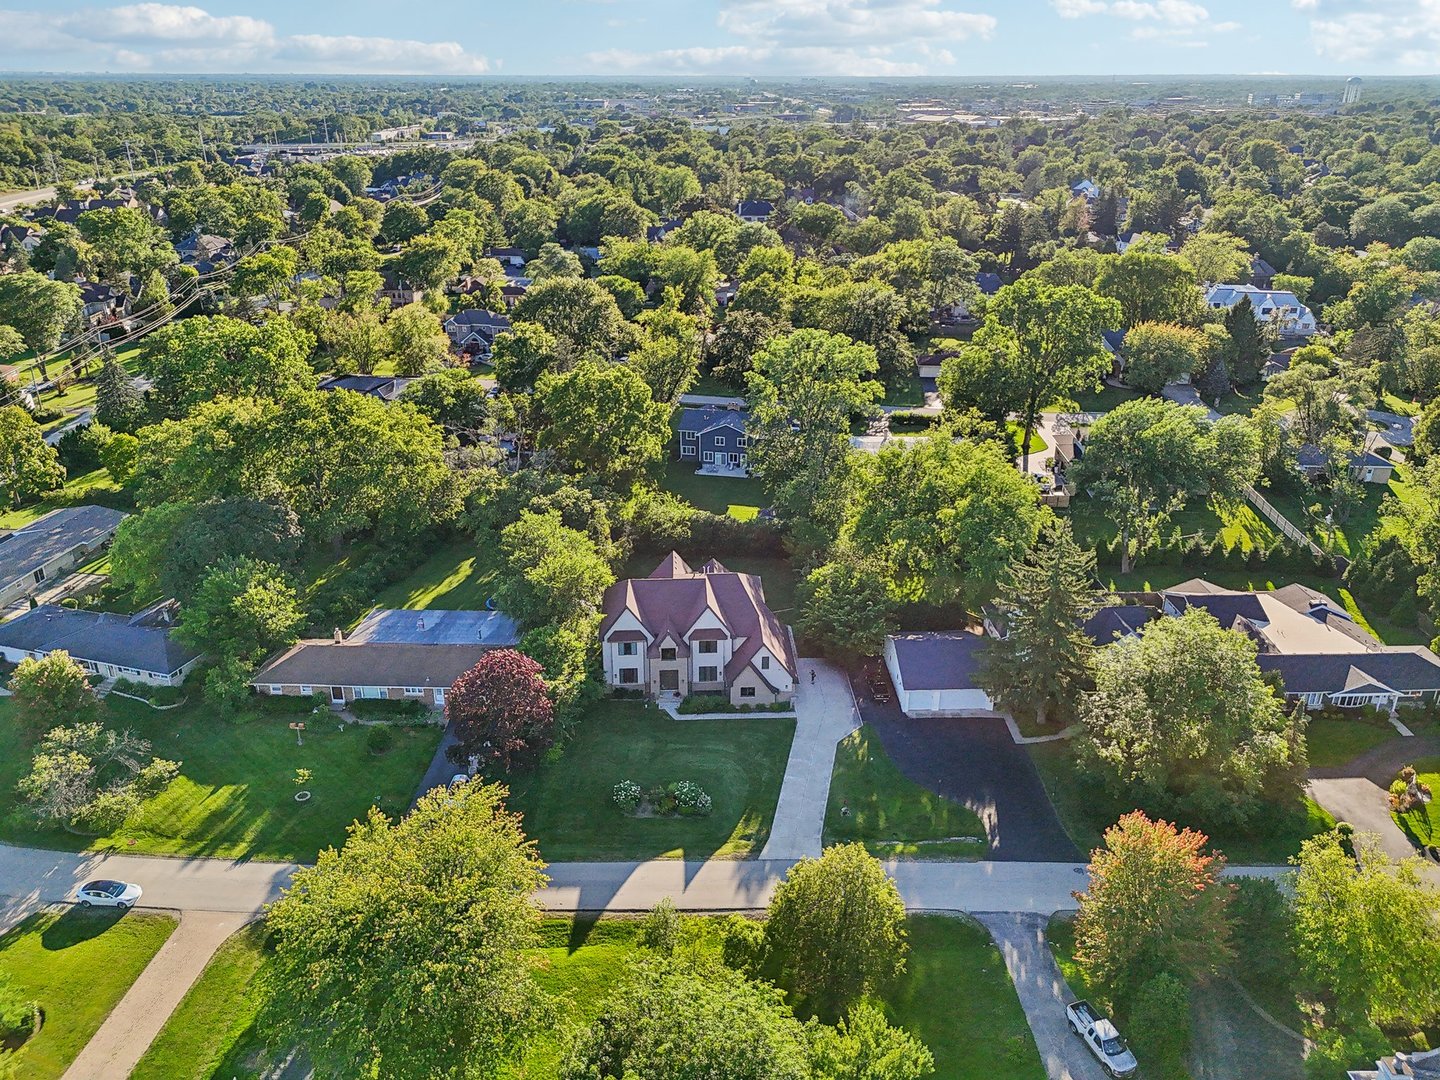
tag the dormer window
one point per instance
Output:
(627, 648)
(667, 654)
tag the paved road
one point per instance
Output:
(132, 1025)
(825, 714)
(30, 877)
(1043, 993)
(974, 761)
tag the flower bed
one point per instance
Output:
(701, 704)
(681, 798)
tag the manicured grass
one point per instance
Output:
(234, 797)
(891, 815)
(1423, 825)
(739, 496)
(1240, 525)
(709, 386)
(459, 577)
(569, 810)
(77, 965)
(1334, 742)
(957, 997)
(1087, 808)
(1345, 537)
(909, 392)
(92, 487)
(1098, 401)
(214, 1017)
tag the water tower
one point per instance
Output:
(1352, 91)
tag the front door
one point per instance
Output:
(670, 680)
(337, 695)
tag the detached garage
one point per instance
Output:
(934, 673)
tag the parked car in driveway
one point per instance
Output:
(103, 893)
(1102, 1039)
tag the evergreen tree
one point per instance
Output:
(1249, 346)
(1043, 663)
(119, 404)
(1212, 381)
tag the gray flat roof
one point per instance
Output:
(437, 627)
(43, 541)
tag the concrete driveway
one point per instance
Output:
(974, 761)
(824, 714)
(1043, 993)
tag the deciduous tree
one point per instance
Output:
(51, 691)
(29, 467)
(601, 420)
(554, 572)
(500, 711)
(1155, 906)
(242, 609)
(405, 953)
(1181, 720)
(199, 359)
(88, 779)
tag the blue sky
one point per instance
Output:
(728, 37)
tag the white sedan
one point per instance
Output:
(107, 894)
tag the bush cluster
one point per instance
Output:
(683, 797)
(700, 704)
(156, 695)
(389, 708)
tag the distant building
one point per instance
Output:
(1280, 309)
(45, 549)
(755, 211)
(1352, 91)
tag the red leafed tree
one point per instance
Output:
(500, 711)
(1156, 905)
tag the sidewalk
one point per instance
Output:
(133, 1024)
(825, 714)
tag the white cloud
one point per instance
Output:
(154, 36)
(1169, 22)
(1405, 33)
(826, 37)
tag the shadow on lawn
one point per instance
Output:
(77, 926)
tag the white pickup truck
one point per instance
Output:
(1099, 1034)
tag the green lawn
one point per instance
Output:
(955, 995)
(709, 386)
(215, 1017)
(1087, 808)
(458, 577)
(739, 496)
(234, 797)
(891, 815)
(77, 965)
(567, 802)
(1098, 401)
(93, 487)
(1347, 536)
(1334, 742)
(1423, 825)
(910, 392)
(1241, 525)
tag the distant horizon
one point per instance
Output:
(785, 39)
(715, 77)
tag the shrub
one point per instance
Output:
(660, 931)
(378, 740)
(742, 945)
(387, 708)
(690, 799)
(1335, 1053)
(1160, 1024)
(17, 1012)
(627, 795)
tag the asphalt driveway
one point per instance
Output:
(974, 761)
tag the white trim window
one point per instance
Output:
(629, 648)
(276, 689)
(414, 691)
(709, 457)
(307, 690)
(629, 676)
(719, 440)
(747, 691)
(709, 674)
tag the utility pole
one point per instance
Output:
(129, 161)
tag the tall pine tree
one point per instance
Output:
(1249, 343)
(1043, 663)
(119, 404)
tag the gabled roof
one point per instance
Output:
(670, 601)
(384, 387)
(710, 417)
(40, 542)
(1260, 299)
(1402, 668)
(755, 208)
(478, 317)
(989, 283)
(327, 663)
(1116, 621)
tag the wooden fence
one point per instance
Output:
(1288, 528)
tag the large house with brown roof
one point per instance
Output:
(682, 631)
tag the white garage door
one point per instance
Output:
(963, 700)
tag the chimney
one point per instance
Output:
(339, 637)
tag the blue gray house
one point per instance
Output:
(715, 438)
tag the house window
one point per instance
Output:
(709, 646)
(307, 689)
(742, 442)
(709, 674)
(689, 436)
(627, 648)
(275, 689)
(747, 691)
(40, 574)
(629, 675)
(764, 663)
(667, 654)
(708, 457)
(414, 691)
(439, 697)
(719, 440)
